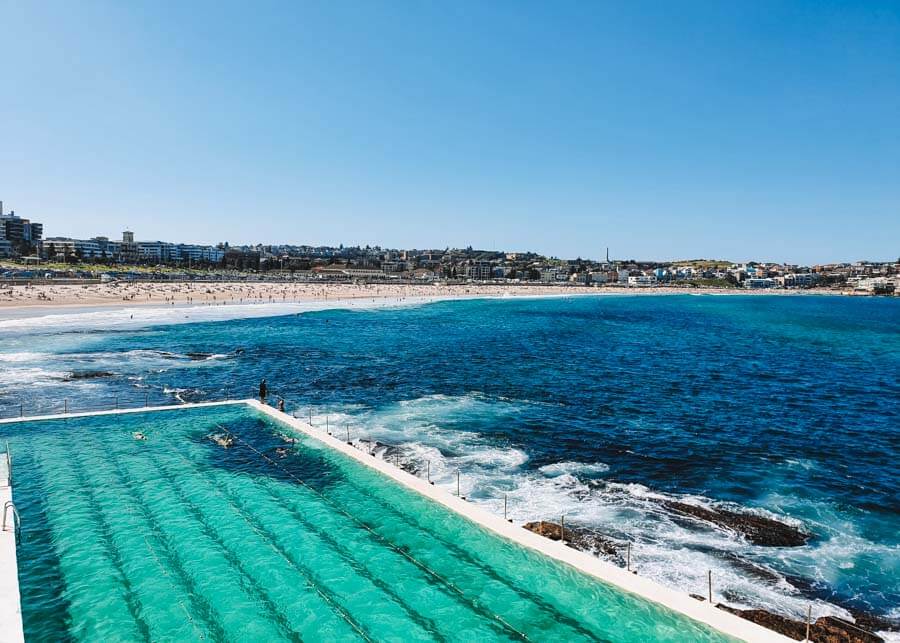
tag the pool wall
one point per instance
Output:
(703, 612)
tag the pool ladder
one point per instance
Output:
(16, 522)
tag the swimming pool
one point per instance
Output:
(275, 537)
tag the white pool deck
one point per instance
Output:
(701, 611)
(10, 606)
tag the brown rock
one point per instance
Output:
(875, 623)
(577, 537)
(827, 629)
(831, 629)
(774, 622)
(759, 530)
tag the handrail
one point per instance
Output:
(113, 403)
(9, 476)
(17, 522)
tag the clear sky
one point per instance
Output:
(727, 129)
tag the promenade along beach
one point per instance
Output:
(747, 439)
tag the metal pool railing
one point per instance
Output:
(70, 405)
(17, 523)
(415, 467)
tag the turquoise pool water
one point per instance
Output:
(178, 538)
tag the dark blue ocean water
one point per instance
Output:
(596, 407)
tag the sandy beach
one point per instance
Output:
(228, 293)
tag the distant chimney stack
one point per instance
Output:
(1, 208)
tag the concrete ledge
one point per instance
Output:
(139, 409)
(606, 572)
(10, 603)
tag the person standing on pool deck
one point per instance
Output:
(281, 405)
(263, 391)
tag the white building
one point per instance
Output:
(479, 270)
(643, 281)
(56, 247)
(759, 282)
(161, 251)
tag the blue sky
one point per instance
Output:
(757, 129)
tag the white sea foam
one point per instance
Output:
(31, 376)
(584, 468)
(25, 356)
(24, 370)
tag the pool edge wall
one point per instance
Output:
(10, 602)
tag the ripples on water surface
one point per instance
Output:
(598, 408)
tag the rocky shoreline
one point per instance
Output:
(758, 530)
(826, 629)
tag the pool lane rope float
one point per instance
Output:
(444, 581)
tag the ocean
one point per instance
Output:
(607, 410)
